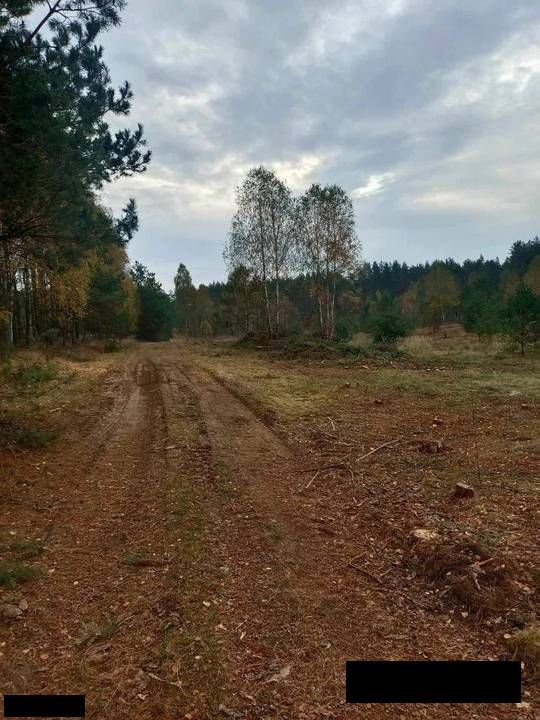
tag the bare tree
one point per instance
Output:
(326, 245)
(260, 236)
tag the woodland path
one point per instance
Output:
(186, 575)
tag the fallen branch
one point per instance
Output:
(386, 444)
(324, 467)
(146, 562)
(166, 682)
(312, 479)
(365, 572)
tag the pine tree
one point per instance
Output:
(55, 159)
(156, 308)
(523, 317)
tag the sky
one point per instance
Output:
(427, 112)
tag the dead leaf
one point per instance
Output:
(281, 675)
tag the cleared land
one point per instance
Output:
(215, 531)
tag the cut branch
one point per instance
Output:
(380, 447)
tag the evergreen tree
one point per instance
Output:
(184, 294)
(522, 317)
(54, 159)
(112, 304)
(156, 308)
(481, 308)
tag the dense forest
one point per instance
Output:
(473, 293)
(64, 272)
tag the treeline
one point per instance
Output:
(64, 270)
(294, 267)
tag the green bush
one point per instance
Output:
(14, 434)
(387, 327)
(343, 330)
(12, 573)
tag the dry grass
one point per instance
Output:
(36, 393)
(458, 347)
(486, 421)
(296, 389)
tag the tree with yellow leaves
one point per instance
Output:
(532, 276)
(441, 293)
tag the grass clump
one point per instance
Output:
(91, 631)
(33, 374)
(525, 645)
(33, 439)
(136, 559)
(14, 573)
(385, 352)
(142, 559)
(15, 434)
(26, 549)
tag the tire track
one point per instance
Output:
(92, 626)
(240, 605)
(305, 613)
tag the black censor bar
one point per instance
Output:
(426, 681)
(44, 706)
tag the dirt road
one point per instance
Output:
(185, 573)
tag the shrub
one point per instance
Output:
(522, 318)
(112, 346)
(387, 327)
(16, 572)
(35, 373)
(343, 330)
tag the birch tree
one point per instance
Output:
(441, 293)
(260, 237)
(326, 246)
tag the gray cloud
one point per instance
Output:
(425, 110)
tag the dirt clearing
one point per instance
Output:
(219, 533)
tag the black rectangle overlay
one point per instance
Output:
(44, 706)
(427, 681)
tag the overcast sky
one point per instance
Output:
(426, 111)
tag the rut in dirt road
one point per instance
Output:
(301, 612)
(111, 584)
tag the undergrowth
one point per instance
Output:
(26, 549)
(33, 374)
(13, 573)
(14, 434)
(310, 348)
